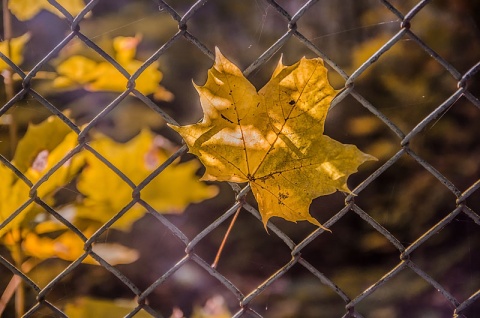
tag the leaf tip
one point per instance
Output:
(325, 229)
(370, 157)
(195, 84)
(174, 127)
(315, 222)
(224, 66)
(208, 177)
(219, 57)
(279, 67)
(309, 219)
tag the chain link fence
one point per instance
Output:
(464, 200)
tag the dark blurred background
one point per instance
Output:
(405, 84)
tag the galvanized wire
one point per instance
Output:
(244, 301)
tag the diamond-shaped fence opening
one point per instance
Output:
(403, 242)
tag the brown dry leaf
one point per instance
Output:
(273, 139)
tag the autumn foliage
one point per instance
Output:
(49, 157)
(272, 139)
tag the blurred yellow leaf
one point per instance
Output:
(106, 193)
(99, 308)
(272, 138)
(365, 125)
(389, 73)
(382, 148)
(42, 147)
(76, 70)
(125, 48)
(52, 132)
(12, 237)
(79, 71)
(27, 9)
(108, 78)
(46, 160)
(367, 49)
(51, 225)
(15, 51)
(13, 194)
(374, 241)
(68, 246)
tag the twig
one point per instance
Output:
(9, 291)
(225, 237)
(7, 75)
(14, 283)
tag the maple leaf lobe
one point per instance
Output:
(272, 138)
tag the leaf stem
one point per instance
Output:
(225, 237)
(17, 255)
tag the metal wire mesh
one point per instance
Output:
(245, 301)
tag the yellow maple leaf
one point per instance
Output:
(27, 9)
(15, 51)
(79, 71)
(106, 193)
(273, 139)
(42, 147)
